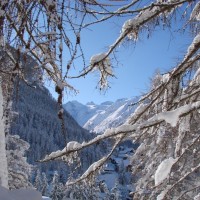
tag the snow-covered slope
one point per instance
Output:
(82, 113)
(97, 118)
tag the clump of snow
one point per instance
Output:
(195, 15)
(194, 44)
(46, 198)
(55, 154)
(102, 63)
(165, 77)
(197, 197)
(73, 145)
(131, 25)
(163, 170)
(97, 58)
(163, 193)
(60, 84)
(172, 117)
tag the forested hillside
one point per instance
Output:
(36, 121)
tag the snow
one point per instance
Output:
(132, 26)
(197, 73)
(162, 194)
(172, 117)
(129, 24)
(46, 198)
(60, 84)
(138, 110)
(73, 145)
(197, 197)
(97, 58)
(102, 63)
(196, 78)
(163, 170)
(20, 194)
(111, 115)
(94, 167)
(165, 78)
(196, 12)
(55, 154)
(109, 178)
(116, 113)
(193, 46)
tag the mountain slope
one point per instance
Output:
(82, 113)
(37, 123)
(103, 116)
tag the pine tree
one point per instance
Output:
(115, 192)
(44, 185)
(38, 182)
(57, 189)
(19, 170)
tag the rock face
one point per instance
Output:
(97, 118)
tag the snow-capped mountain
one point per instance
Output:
(82, 113)
(97, 118)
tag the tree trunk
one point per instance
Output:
(3, 158)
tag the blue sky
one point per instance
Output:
(136, 63)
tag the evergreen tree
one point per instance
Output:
(38, 182)
(44, 185)
(115, 192)
(57, 188)
(19, 170)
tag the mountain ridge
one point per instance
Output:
(97, 118)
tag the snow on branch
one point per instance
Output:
(170, 117)
(132, 27)
(180, 180)
(194, 47)
(163, 170)
(96, 166)
(195, 15)
(101, 62)
(90, 171)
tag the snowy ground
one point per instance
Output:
(21, 194)
(111, 173)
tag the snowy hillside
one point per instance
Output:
(82, 113)
(97, 118)
(37, 123)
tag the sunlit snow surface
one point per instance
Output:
(163, 170)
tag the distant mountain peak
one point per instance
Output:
(107, 103)
(98, 118)
(90, 103)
